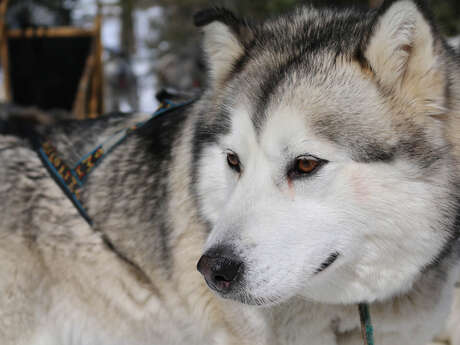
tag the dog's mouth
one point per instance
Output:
(243, 295)
(249, 299)
(327, 263)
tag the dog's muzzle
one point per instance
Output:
(221, 269)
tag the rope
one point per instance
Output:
(367, 330)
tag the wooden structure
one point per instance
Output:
(57, 67)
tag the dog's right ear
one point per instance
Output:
(405, 52)
(225, 38)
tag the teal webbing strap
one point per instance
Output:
(367, 330)
(71, 180)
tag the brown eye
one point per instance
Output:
(306, 165)
(233, 162)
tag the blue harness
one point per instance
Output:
(72, 179)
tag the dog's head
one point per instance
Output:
(323, 163)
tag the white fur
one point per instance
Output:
(360, 210)
(389, 48)
(222, 48)
(401, 52)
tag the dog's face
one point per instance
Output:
(324, 170)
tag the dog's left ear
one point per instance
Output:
(405, 53)
(225, 38)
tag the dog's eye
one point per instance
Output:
(305, 165)
(234, 162)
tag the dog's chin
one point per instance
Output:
(252, 300)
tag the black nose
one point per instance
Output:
(220, 269)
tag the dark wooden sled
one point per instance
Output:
(53, 68)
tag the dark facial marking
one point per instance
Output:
(294, 51)
(266, 91)
(363, 147)
(241, 63)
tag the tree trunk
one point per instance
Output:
(128, 40)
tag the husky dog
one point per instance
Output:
(319, 170)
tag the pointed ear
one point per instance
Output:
(405, 52)
(225, 37)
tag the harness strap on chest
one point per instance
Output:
(64, 176)
(71, 179)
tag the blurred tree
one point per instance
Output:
(127, 39)
(22, 13)
(447, 13)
